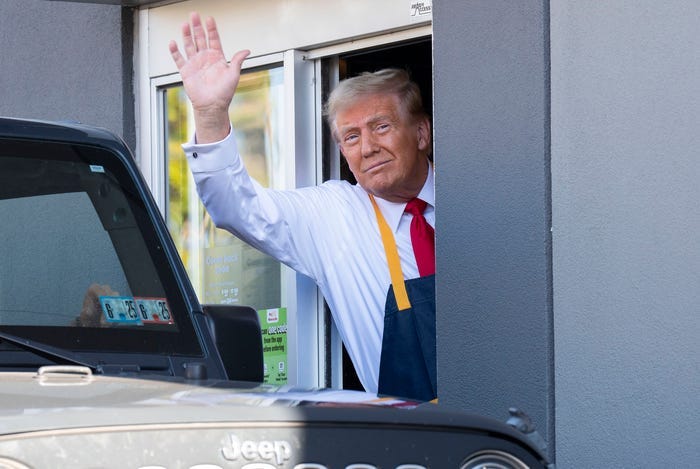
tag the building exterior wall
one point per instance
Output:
(68, 61)
(626, 256)
(622, 139)
(271, 26)
(492, 210)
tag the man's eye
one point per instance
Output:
(382, 127)
(350, 139)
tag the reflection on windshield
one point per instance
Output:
(91, 315)
(72, 253)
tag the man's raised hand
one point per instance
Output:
(210, 82)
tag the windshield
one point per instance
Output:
(57, 241)
(79, 252)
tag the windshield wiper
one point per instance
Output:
(49, 351)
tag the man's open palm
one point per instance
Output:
(210, 82)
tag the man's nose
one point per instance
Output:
(368, 144)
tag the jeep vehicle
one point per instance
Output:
(107, 359)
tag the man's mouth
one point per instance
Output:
(375, 166)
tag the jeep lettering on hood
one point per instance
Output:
(278, 451)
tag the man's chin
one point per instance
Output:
(383, 193)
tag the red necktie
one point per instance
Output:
(422, 237)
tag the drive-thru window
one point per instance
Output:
(300, 50)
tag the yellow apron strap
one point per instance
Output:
(392, 257)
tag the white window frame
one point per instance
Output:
(307, 349)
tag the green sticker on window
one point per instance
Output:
(273, 323)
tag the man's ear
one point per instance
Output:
(424, 134)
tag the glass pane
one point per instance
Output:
(31, 260)
(223, 269)
(80, 250)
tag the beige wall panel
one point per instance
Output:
(269, 26)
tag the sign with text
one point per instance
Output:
(273, 323)
(420, 10)
(222, 274)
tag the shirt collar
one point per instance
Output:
(393, 211)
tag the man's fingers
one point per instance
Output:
(213, 34)
(234, 69)
(187, 42)
(200, 38)
(176, 55)
(238, 58)
(194, 40)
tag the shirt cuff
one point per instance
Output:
(205, 157)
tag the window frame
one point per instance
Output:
(314, 345)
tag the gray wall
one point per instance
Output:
(492, 188)
(68, 61)
(626, 216)
(601, 347)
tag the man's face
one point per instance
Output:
(385, 148)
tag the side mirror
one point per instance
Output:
(236, 333)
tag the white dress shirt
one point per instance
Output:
(327, 232)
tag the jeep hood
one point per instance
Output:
(38, 402)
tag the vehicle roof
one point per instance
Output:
(65, 131)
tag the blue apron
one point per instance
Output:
(407, 367)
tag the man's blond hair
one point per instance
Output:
(387, 81)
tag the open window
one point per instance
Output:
(415, 56)
(278, 116)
